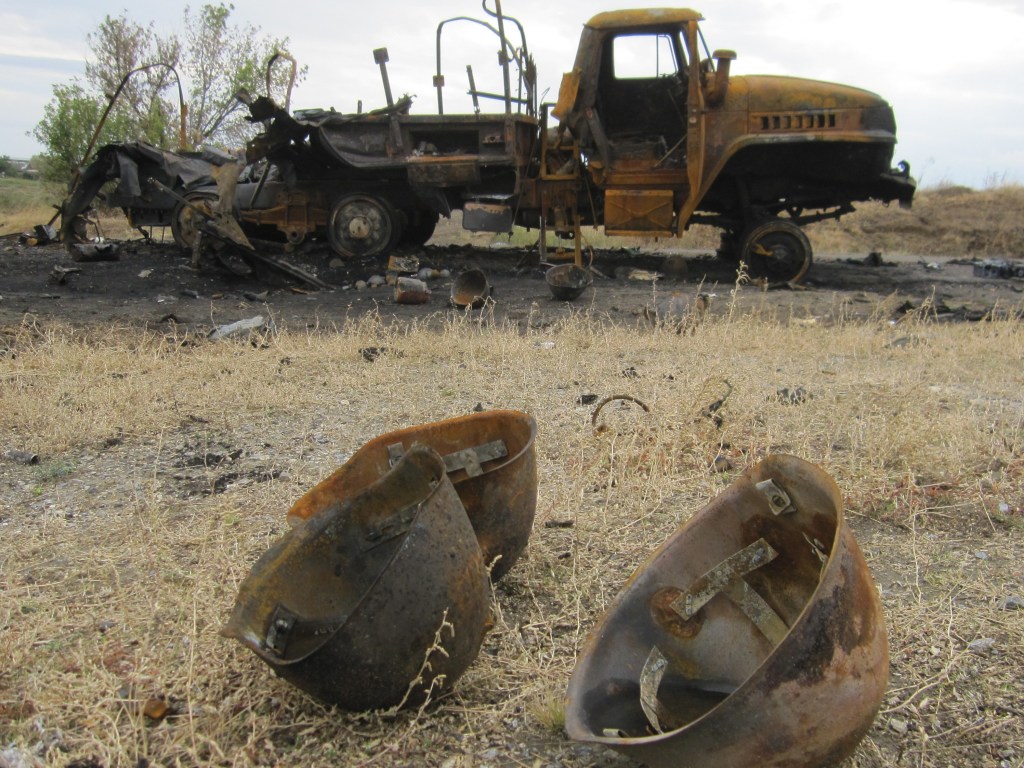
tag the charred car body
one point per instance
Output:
(652, 135)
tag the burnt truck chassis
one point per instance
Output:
(758, 157)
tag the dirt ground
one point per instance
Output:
(154, 283)
(160, 480)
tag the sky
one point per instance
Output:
(952, 69)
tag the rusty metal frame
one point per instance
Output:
(527, 78)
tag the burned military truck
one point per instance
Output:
(649, 135)
(652, 135)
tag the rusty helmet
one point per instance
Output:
(753, 636)
(489, 457)
(377, 602)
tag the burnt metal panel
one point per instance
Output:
(638, 211)
(430, 171)
(487, 217)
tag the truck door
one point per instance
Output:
(640, 126)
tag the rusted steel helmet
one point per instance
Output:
(753, 636)
(350, 605)
(471, 289)
(491, 460)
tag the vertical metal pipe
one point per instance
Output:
(505, 57)
(380, 55)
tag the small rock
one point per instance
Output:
(794, 396)
(982, 646)
(156, 708)
(12, 757)
(722, 463)
(1013, 603)
(981, 554)
(898, 726)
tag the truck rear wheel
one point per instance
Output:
(777, 250)
(363, 225)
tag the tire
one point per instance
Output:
(183, 227)
(777, 250)
(363, 225)
(419, 230)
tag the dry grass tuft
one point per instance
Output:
(169, 461)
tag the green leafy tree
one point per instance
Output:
(67, 126)
(214, 60)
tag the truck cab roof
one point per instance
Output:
(642, 17)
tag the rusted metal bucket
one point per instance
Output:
(491, 460)
(753, 636)
(471, 289)
(377, 601)
(568, 281)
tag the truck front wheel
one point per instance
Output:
(363, 225)
(777, 250)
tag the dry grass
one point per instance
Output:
(168, 463)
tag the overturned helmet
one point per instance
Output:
(753, 636)
(489, 457)
(377, 602)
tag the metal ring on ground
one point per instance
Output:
(754, 636)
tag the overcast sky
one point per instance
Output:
(951, 68)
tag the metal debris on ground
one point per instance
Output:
(88, 252)
(1001, 268)
(20, 457)
(60, 274)
(237, 327)
(794, 396)
(410, 290)
(612, 398)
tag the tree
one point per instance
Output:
(216, 60)
(67, 125)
